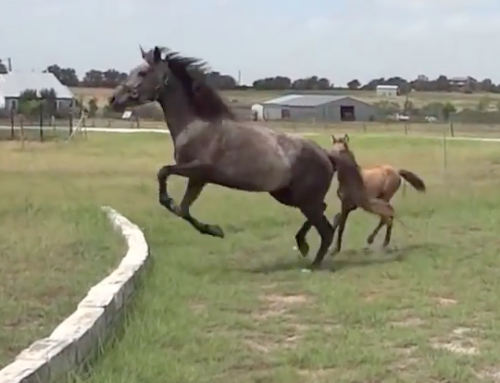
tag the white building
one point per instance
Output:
(387, 90)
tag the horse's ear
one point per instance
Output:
(346, 137)
(157, 55)
(334, 140)
(143, 53)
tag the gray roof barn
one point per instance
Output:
(315, 107)
(14, 83)
(306, 100)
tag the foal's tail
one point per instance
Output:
(413, 180)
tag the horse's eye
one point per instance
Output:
(142, 74)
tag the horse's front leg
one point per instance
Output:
(197, 174)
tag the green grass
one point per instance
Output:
(55, 243)
(240, 310)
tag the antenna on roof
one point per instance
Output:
(9, 64)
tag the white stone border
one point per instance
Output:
(84, 331)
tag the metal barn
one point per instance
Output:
(387, 90)
(314, 107)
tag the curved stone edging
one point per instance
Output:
(69, 345)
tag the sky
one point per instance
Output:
(337, 39)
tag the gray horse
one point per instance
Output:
(211, 146)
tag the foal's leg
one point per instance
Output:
(340, 221)
(316, 217)
(388, 232)
(195, 172)
(372, 236)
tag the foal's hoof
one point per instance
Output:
(214, 231)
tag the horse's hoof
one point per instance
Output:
(215, 231)
(304, 249)
(314, 267)
(168, 203)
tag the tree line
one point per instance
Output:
(110, 78)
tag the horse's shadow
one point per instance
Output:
(346, 259)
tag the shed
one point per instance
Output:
(12, 84)
(317, 107)
(387, 90)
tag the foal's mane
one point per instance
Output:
(192, 72)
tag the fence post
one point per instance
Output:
(452, 131)
(40, 115)
(12, 123)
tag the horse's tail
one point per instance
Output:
(413, 180)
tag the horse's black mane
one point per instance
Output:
(192, 73)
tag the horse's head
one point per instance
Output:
(144, 82)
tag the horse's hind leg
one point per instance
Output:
(315, 216)
(195, 172)
(300, 238)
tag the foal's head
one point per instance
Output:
(341, 146)
(169, 80)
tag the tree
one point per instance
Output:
(92, 107)
(486, 85)
(49, 101)
(93, 78)
(221, 81)
(483, 104)
(66, 76)
(3, 68)
(447, 110)
(28, 102)
(354, 84)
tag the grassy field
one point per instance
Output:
(239, 309)
(55, 242)
(248, 97)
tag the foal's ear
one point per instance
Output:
(346, 137)
(334, 140)
(143, 52)
(156, 55)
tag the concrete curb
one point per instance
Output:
(84, 331)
